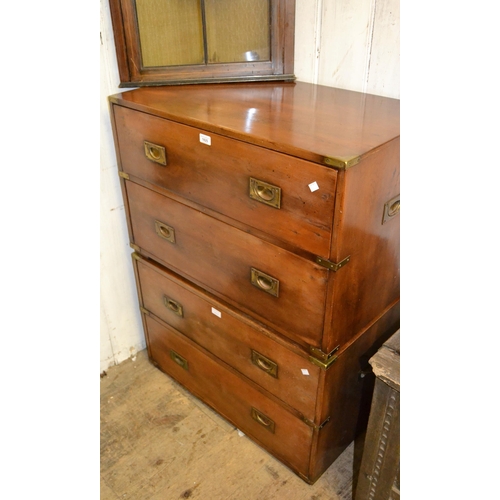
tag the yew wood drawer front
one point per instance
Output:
(229, 336)
(269, 191)
(282, 289)
(277, 430)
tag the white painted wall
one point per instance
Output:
(351, 44)
(121, 327)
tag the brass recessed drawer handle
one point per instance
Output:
(391, 209)
(265, 193)
(155, 153)
(394, 208)
(182, 362)
(173, 306)
(263, 420)
(264, 282)
(164, 231)
(265, 364)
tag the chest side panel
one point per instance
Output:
(347, 394)
(365, 288)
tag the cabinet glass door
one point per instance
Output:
(181, 32)
(170, 32)
(196, 41)
(237, 30)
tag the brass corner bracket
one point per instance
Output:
(135, 247)
(332, 266)
(321, 359)
(313, 425)
(342, 163)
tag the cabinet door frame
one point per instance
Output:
(133, 73)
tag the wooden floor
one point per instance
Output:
(159, 442)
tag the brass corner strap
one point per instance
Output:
(321, 359)
(332, 266)
(341, 163)
(313, 425)
(123, 175)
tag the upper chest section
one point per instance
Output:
(262, 156)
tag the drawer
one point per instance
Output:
(230, 336)
(280, 288)
(273, 427)
(218, 176)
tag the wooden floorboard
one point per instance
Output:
(160, 443)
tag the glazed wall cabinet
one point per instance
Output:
(264, 219)
(160, 42)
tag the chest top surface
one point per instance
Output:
(326, 125)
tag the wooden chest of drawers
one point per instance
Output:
(264, 219)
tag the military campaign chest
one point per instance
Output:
(265, 223)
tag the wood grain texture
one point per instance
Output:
(303, 120)
(118, 33)
(218, 175)
(343, 393)
(345, 311)
(386, 363)
(346, 393)
(220, 258)
(289, 438)
(230, 336)
(370, 283)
